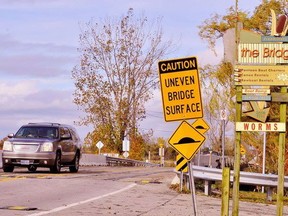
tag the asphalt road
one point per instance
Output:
(123, 191)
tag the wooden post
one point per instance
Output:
(237, 156)
(281, 157)
(225, 191)
(236, 177)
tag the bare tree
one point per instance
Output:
(117, 74)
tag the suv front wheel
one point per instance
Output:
(32, 168)
(75, 166)
(7, 168)
(57, 164)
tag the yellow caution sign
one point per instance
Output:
(242, 150)
(186, 140)
(201, 126)
(180, 88)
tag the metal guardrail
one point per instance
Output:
(113, 161)
(247, 178)
(103, 160)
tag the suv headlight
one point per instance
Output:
(7, 146)
(47, 147)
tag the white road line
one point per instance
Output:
(82, 202)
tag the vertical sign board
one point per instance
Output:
(180, 87)
(181, 163)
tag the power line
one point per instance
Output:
(154, 115)
(160, 112)
(156, 130)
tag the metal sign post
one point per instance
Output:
(223, 117)
(192, 187)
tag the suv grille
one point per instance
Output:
(22, 148)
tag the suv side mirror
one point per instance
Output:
(66, 136)
(10, 135)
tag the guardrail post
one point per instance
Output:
(181, 181)
(207, 187)
(269, 193)
(225, 191)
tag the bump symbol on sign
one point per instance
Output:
(201, 126)
(186, 140)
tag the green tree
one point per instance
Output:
(214, 28)
(137, 150)
(219, 92)
(1, 143)
(152, 149)
(116, 74)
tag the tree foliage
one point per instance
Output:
(2, 142)
(137, 150)
(116, 74)
(260, 21)
(214, 28)
(218, 79)
(219, 93)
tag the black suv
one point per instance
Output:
(49, 145)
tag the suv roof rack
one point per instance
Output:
(46, 123)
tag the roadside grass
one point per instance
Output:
(246, 196)
(254, 197)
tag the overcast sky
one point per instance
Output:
(38, 49)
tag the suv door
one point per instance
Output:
(67, 145)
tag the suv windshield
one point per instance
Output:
(37, 132)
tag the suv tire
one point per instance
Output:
(8, 168)
(56, 168)
(75, 167)
(32, 168)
